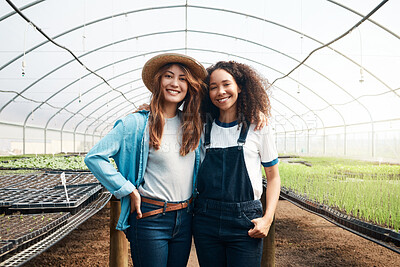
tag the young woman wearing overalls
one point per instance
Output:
(157, 156)
(228, 224)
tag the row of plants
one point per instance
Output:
(46, 162)
(17, 226)
(365, 190)
(55, 162)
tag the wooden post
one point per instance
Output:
(118, 242)
(268, 257)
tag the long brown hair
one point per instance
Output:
(253, 98)
(191, 125)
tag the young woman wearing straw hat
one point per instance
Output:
(157, 155)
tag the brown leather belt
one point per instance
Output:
(165, 206)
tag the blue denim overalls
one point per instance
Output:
(224, 208)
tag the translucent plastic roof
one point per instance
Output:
(352, 81)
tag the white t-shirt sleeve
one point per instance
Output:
(267, 147)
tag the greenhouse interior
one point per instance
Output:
(70, 69)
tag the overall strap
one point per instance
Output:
(207, 134)
(243, 133)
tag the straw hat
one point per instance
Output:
(155, 63)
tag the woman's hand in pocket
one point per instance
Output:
(135, 203)
(261, 227)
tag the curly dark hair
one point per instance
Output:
(253, 98)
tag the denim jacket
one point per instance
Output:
(128, 144)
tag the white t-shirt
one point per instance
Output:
(168, 175)
(259, 149)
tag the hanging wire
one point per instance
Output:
(301, 43)
(23, 58)
(361, 58)
(333, 41)
(84, 27)
(46, 103)
(75, 57)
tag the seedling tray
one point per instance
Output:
(5, 247)
(9, 196)
(21, 228)
(85, 179)
(56, 199)
(45, 181)
(8, 181)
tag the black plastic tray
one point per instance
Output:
(85, 178)
(44, 181)
(56, 198)
(19, 229)
(9, 196)
(9, 181)
(5, 247)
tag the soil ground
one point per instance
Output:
(302, 239)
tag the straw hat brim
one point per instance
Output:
(155, 63)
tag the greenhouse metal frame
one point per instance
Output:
(333, 66)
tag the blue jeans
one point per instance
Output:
(220, 232)
(161, 239)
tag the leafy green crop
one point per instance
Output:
(47, 162)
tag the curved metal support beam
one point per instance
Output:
(203, 50)
(370, 20)
(223, 35)
(63, 65)
(111, 100)
(109, 115)
(208, 8)
(81, 26)
(299, 115)
(367, 110)
(118, 104)
(302, 34)
(301, 103)
(76, 98)
(22, 8)
(256, 62)
(292, 58)
(177, 31)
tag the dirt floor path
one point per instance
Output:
(302, 239)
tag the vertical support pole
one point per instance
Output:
(324, 145)
(268, 256)
(74, 150)
(45, 141)
(118, 242)
(345, 141)
(285, 142)
(61, 141)
(23, 140)
(373, 139)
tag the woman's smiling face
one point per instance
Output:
(174, 84)
(224, 91)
